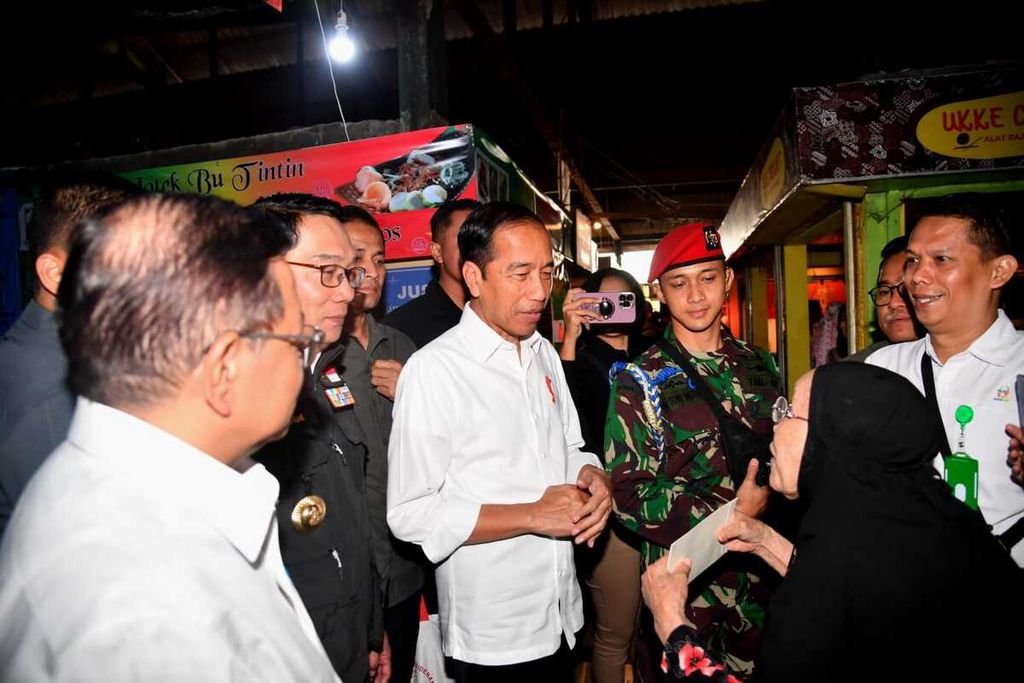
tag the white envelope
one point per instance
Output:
(700, 544)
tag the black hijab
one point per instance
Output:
(872, 434)
(886, 559)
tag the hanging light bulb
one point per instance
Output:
(342, 47)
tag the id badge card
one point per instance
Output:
(960, 472)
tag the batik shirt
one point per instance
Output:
(662, 490)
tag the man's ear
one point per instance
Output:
(435, 253)
(50, 268)
(1003, 268)
(473, 277)
(729, 277)
(219, 370)
(656, 285)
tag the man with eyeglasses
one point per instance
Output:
(372, 360)
(322, 510)
(146, 547)
(895, 319)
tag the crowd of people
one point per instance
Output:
(216, 463)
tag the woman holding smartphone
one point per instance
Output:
(590, 347)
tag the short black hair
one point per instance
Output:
(986, 221)
(150, 285)
(357, 214)
(476, 235)
(896, 245)
(593, 284)
(290, 207)
(442, 218)
(68, 197)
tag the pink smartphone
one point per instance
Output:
(613, 307)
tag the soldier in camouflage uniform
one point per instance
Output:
(664, 455)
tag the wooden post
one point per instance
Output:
(413, 64)
(758, 334)
(796, 330)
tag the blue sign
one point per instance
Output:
(404, 284)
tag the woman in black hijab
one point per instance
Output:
(891, 578)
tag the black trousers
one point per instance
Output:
(556, 668)
(402, 624)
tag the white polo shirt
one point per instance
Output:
(132, 556)
(475, 424)
(983, 378)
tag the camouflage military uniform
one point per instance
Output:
(662, 496)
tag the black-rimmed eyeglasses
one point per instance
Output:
(782, 410)
(331, 275)
(882, 294)
(308, 343)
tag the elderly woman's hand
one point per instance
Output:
(665, 595)
(744, 534)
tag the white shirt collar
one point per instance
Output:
(179, 476)
(995, 346)
(484, 341)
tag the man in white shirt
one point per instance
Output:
(485, 467)
(145, 548)
(958, 261)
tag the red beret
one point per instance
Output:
(685, 245)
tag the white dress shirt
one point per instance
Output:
(132, 556)
(476, 423)
(983, 378)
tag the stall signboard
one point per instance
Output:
(916, 124)
(954, 121)
(984, 128)
(401, 179)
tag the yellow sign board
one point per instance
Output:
(986, 128)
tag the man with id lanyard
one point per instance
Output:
(958, 261)
(321, 510)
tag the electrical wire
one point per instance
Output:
(330, 67)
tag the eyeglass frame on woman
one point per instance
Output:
(355, 275)
(305, 343)
(781, 410)
(877, 292)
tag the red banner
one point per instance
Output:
(401, 179)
